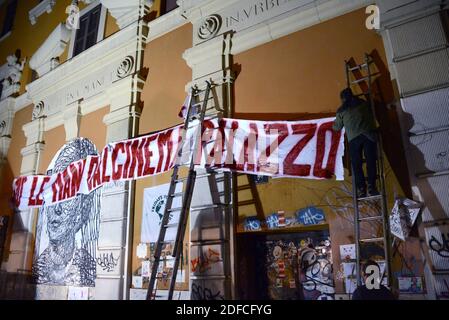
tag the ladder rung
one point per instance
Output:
(211, 206)
(170, 225)
(359, 80)
(244, 187)
(177, 194)
(174, 209)
(246, 202)
(365, 78)
(207, 242)
(360, 66)
(371, 218)
(372, 240)
(370, 198)
(178, 180)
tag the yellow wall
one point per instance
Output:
(304, 71)
(296, 77)
(163, 96)
(93, 128)
(54, 139)
(11, 168)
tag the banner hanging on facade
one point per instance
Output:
(154, 201)
(298, 149)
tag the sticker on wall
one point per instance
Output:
(277, 252)
(350, 285)
(273, 221)
(146, 268)
(310, 216)
(252, 224)
(410, 285)
(279, 283)
(142, 250)
(67, 232)
(281, 219)
(137, 282)
(348, 269)
(347, 252)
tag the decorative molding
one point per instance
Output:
(2, 128)
(125, 67)
(165, 24)
(6, 116)
(40, 9)
(126, 12)
(46, 58)
(22, 101)
(38, 110)
(272, 28)
(10, 75)
(85, 76)
(72, 120)
(209, 27)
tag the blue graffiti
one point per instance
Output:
(273, 221)
(252, 224)
(310, 216)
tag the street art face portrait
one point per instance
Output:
(67, 232)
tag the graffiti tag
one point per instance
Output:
(107, 261)
(442, 249)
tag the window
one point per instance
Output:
(9, 17)
(167, 6)
(86, 35)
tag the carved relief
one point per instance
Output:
(38, 110)
(125, 67)
(210, 27)
(2, 128)
(11, 72)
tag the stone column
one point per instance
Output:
(211, 212)
(21, 251)
(416, 38)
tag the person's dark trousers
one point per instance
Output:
(357, 146)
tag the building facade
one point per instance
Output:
(109, 70)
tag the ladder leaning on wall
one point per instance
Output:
(362, 75)
(197, 111)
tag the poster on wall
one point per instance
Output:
(67, 232)
(154, 200)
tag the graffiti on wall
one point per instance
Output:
(67, 232)
(299, 266)
(200, 292)
(204, 261)
(107, 261)
(440, 247)
(310, 216)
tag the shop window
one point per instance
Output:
(167, 6)
(9, 17)
(86, 35)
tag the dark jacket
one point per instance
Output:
(363, 293)
(356, 117)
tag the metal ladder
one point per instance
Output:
(186, 194)
(363, 77)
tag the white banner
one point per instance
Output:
(299, 149)
(154, 201)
